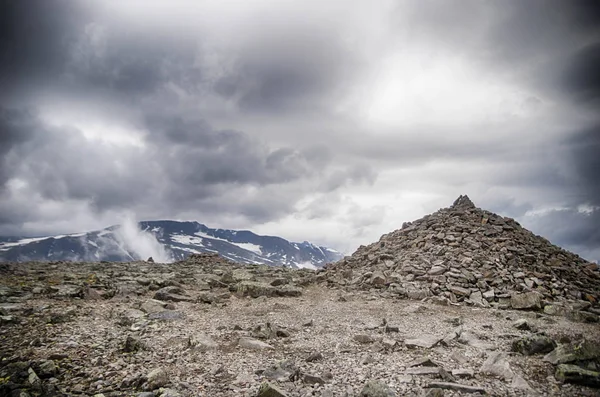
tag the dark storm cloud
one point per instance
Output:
(584, 150)
(201, 155)
(127, 61)
(35, 39)
(581, 79)
(186, 165)
(16, 128)
(569, 228)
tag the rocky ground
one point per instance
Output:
(208, 327)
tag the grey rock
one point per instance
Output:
(423, 371)
(172, 294)
(375, 388)
(423, 361)
(522, 324)
(253, 344)
(527, 300)
(47, 369)
(463, 373)
(364, 339)
(288, 291)
(132, 344)
(489, 295)
(167, 315)
(269, 390)
(583, 317)
(569, 373)
(459, 290)
(578, 351)
(521, 384)
(255, 289)
(168, 393)
(425, 341)
(435, 392)
(153, 306)
(34, 380)
(155, 379)
(457, 387)
(530, 345)
(313, 379)
(202, 342)
(316, 356)
(470, 339)
(281, 371)
(497, 365)
(476, 299)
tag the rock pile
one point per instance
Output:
(466, 254)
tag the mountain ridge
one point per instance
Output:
(166, 241)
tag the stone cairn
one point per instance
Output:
(466, 254)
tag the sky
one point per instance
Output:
(328, 121)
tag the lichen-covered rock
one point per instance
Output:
(269, 390)
(255, 289)
(529, 345)
(156, 378)
(573, 374)
(580, 351)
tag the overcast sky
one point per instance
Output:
(328, 121)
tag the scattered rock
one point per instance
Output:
(435, 392)
(364, 339)
(569, 373)
(155, 379)
(316, 356)
(497, 365)
(202, 342)
(457, 387)
(255, 289)
(423, 371)
(47, 369)
(269, 390)
(280, 372)
(132, 344)
(579, 351)
(253, 344)
(425, 341)
(528, 300)
(463, 373)
(153, 306)
(522, 324)
(423, 361)
(530, 345)
(172, 294)
(375, 388)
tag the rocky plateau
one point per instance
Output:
(460, 302)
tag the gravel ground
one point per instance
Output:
(353, 338)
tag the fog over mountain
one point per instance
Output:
(322, 121)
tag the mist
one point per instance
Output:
(141, 243)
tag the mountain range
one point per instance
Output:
(165, 241)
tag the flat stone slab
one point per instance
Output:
(457, 387)
(254, 344)
(426, 341)
(423, 371)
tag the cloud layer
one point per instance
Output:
(323, 122)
